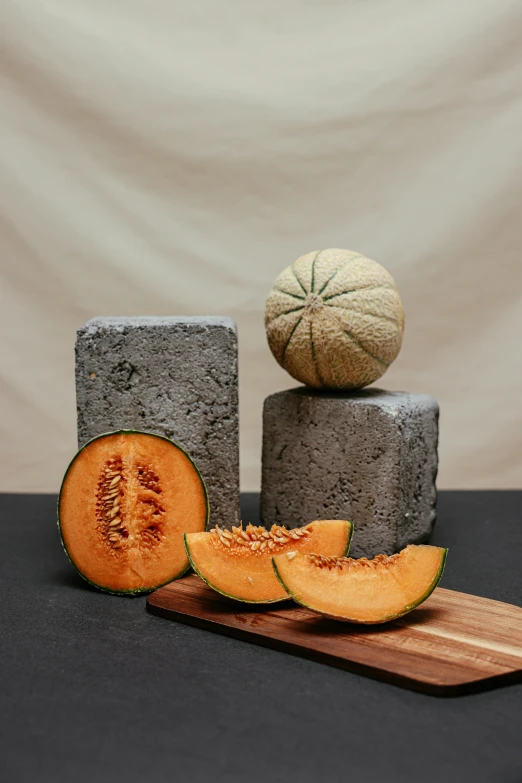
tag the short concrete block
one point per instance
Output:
(174, 376)
(367, 456)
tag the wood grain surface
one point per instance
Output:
(454, 643)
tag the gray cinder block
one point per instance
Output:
(173, 376)
(368, 456)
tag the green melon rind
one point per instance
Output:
(350, 536)
(141, 589)
(407, 609)
(246, 600)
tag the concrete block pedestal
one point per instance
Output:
(368, 456)
(174, 376)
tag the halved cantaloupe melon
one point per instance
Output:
(362, 591)
(126, 500)
(238, 564)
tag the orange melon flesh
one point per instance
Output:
(246, 574)
(362, 591)
(125, 535)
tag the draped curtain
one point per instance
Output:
(171, 158)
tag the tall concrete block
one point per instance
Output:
(368, 456)
(172, 376)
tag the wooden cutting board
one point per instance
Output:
(453, 643)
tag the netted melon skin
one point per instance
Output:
(334, 319)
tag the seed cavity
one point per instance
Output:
(123, 527)
(257, 539)
(348, 563)
(149, 479)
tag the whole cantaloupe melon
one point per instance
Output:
(334, 319)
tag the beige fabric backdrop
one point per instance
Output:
(171, 157)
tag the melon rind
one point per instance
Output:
(407, 608)
(141, 590)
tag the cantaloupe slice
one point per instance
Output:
(362, 591)
(238, 563)
(125, 502)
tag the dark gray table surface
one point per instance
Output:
(94, 688)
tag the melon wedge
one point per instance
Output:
(238, 563)
(362, 591)
(126, 500)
